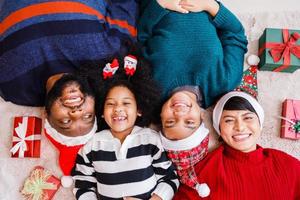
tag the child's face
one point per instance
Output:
(180, 115)
(240, 129)
(120, 110)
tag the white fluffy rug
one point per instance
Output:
(273, 88)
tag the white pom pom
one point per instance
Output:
(203, 190)
(253, 59)
(66, 181)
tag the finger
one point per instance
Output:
(181, 9)
(190, 8)
(186, 5)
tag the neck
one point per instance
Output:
(122, 134)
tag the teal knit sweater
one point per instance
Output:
(193, 49)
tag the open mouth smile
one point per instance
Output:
(241, 137)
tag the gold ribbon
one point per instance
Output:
(36, 184)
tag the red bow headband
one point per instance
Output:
(130, 63)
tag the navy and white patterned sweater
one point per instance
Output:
(138, 167)
(40, 38)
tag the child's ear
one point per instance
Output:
(202, 115)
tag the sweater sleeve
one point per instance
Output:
(84, 176)
(151, 14)
(234, 43)
(165, 172)
(126, 10)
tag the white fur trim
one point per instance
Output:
(69, 141)
(220, 105)
(66, 181)
(187, 143)
(131, 59)
(253, 59)
(202, 189)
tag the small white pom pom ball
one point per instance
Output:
(66, 181)
(253, 59)
(203, 190)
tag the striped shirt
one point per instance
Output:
(40, 38)
(138, 167)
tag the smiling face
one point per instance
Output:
(120, 111)
(71, 110)
(240, 129)
(180, 115)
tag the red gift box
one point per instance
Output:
(41, 185)
(26, 137)
(290, 123)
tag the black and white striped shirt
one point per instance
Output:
(139, 167)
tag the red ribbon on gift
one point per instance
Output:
(283, 50)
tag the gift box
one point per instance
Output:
(279, 50)
(26, 139)
(40, 185)
(249, 81)
(290, 122)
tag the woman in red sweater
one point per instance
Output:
(239, 168)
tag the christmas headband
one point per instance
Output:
(130, 63)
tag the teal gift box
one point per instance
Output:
(279, 50)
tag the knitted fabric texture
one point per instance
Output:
(40, 38)
(185, 160)
(193, 49)
(260, 174)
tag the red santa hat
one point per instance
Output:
(68, 148)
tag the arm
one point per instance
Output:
(126, 10)
(83, 174)
(152, 11)
(151, 14)
(228, 71)
(234, 43)
(165, 172)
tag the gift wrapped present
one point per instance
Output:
(40, 185)
(26, 139)
(249, 81)
(290, 120)
(279, 50)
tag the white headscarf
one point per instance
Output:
(218, 110)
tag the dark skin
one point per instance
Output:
(73, 113)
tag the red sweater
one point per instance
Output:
(261, 174)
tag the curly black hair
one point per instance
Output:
(141, 84)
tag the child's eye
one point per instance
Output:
(127, 103)
(189, 122)
(109, 104)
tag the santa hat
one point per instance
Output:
(185, 154)
(218, 110)
(68, 148)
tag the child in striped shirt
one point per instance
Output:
(125, 160)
